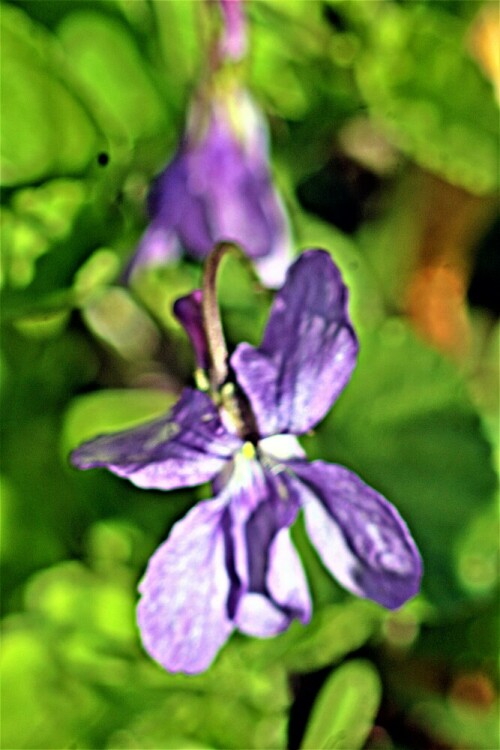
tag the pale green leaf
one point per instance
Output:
(345, 709)
(113, 72)
(46, 130)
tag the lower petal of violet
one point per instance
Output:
(285, 594)
(259, 617)
(286, 581)
(359, 535)
(182, 613)
(272, 585)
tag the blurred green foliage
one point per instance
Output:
(93, 100)
(422, 84)
(345, 708)
(34, 88)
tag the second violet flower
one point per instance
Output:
(230, 563)
(218, 186)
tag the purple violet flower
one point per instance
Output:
(230, 563)
(218, 187)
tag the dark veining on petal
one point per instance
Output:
(357, 572)
(235, 590)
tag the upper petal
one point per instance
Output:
(188, 311)
(188, 446)
(359, 535)
(182, 613)
(308, 351)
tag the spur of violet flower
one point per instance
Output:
(230, 563)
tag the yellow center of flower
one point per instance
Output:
(248, 450)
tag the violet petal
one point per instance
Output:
(272, 586)
(218, 187)
(167, 201)
(188, 311)
(259, 617)
(308, 351)
(359, 535)
(188, 446)
(158, 245)
(230, 177)
(286, 580)
(182, 613)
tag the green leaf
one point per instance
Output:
(22, 243)
(345, 709)
(282, 29)
(152, 729)
(110, 411)
(94, 275)
(67, 658)
(105, 56)
(334, 631)
(54, 205)
(182, 51)
(41, 217)
(121, 324)
(42, 703)
(70, 595)
(207, 720)
(46, 130)
(432, 100)
(42, 325)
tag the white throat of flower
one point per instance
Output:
(249, 463)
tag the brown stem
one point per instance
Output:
(211, 315)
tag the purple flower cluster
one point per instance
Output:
(230, 563)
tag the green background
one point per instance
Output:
(384, 132)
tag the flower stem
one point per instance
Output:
(211, 315)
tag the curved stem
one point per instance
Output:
(211, 314)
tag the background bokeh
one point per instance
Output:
(384, 124)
